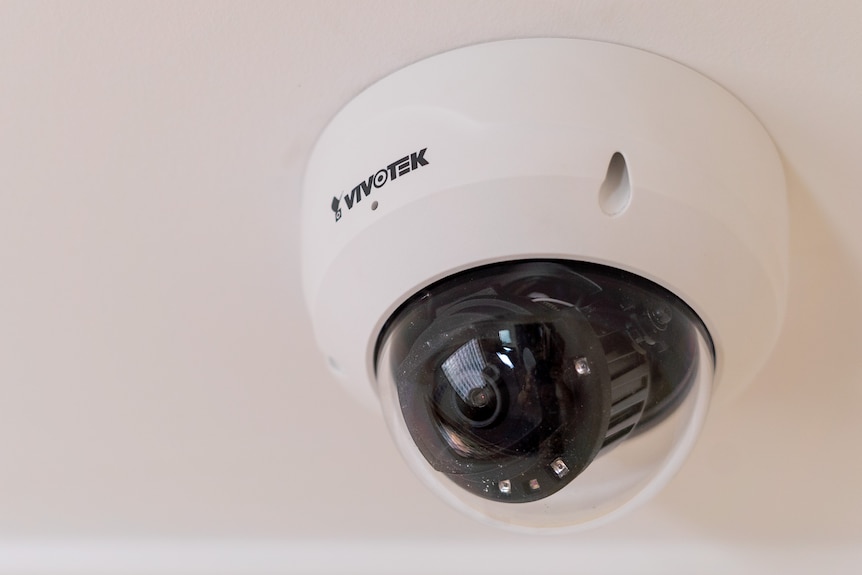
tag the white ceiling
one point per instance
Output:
(162, 408)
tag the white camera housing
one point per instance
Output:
(548, 149)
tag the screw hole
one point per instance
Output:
(374, 205)
(616, 191)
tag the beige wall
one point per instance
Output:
(160, 399)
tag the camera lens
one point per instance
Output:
(512, 378)
(477, 397)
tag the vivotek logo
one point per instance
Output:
(379, 179)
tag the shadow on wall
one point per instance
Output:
(782, 464)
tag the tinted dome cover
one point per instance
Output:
(512, 378)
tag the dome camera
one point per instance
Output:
(542, 260)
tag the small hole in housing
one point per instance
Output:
(616, 191)
(333, 365)
(374, 205)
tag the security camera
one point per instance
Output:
(542, 260)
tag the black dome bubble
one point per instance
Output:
(512, 378)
